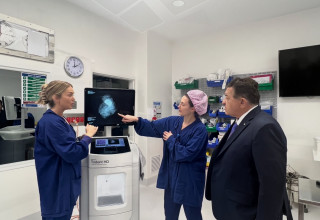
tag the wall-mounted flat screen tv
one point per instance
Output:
(299, 72)
(101, 106)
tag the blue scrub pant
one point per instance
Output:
(65, 217)
(172, 210)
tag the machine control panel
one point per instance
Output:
(109, 145)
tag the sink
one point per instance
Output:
(15, 132)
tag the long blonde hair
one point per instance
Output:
(55, 87)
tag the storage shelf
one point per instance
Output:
(193, 85)
(266, 86)
(214, 99)
(211, 129)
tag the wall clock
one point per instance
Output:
(74, 66)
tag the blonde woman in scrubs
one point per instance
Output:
(58, 154)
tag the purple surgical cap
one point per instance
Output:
(199, 100)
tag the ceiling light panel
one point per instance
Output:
(116, 6)
(178, 3)
(141, 17)
(188, 4)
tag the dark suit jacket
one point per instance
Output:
(247, 173)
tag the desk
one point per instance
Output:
(309, 193)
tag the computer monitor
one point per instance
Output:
(12, 107)
(101, 106)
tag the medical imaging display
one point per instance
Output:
(103, 105)
(110, 142)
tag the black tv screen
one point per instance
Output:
(101, 106)
(299, 72)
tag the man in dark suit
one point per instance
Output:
(247, 173)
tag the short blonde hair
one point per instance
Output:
(55, 87)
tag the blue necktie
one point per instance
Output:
(235, 125)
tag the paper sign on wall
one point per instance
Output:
(156, 110)
(30, 87)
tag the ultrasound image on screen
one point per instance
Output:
(103, 105)
(107, 107)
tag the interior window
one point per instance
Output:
(16, 143)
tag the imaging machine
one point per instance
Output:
(111, 172)
(110, 180)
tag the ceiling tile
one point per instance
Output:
(141, 17)
(116, 6)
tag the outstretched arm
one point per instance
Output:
(128, 118)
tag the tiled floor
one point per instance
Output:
(151, 207)
(151, 204)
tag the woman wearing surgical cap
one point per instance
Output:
(182, 170)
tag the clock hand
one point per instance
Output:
(77, 65)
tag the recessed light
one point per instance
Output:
(178, 3)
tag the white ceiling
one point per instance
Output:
(194, 17)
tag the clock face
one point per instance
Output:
(7, 35)
(74, 67)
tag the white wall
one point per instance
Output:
(153, 84)
(159, 89)
(254, 48)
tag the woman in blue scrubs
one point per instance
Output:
(58, 154)
(182, 170)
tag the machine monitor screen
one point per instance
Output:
(12, 107)
(101, 106)
(109, 145)
(110, 142)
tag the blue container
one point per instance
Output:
(269, 111)
(213, 145)
(213, 114)
(222, 129)
(217, 83)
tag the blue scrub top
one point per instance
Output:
(183, 165)
(58, 163)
